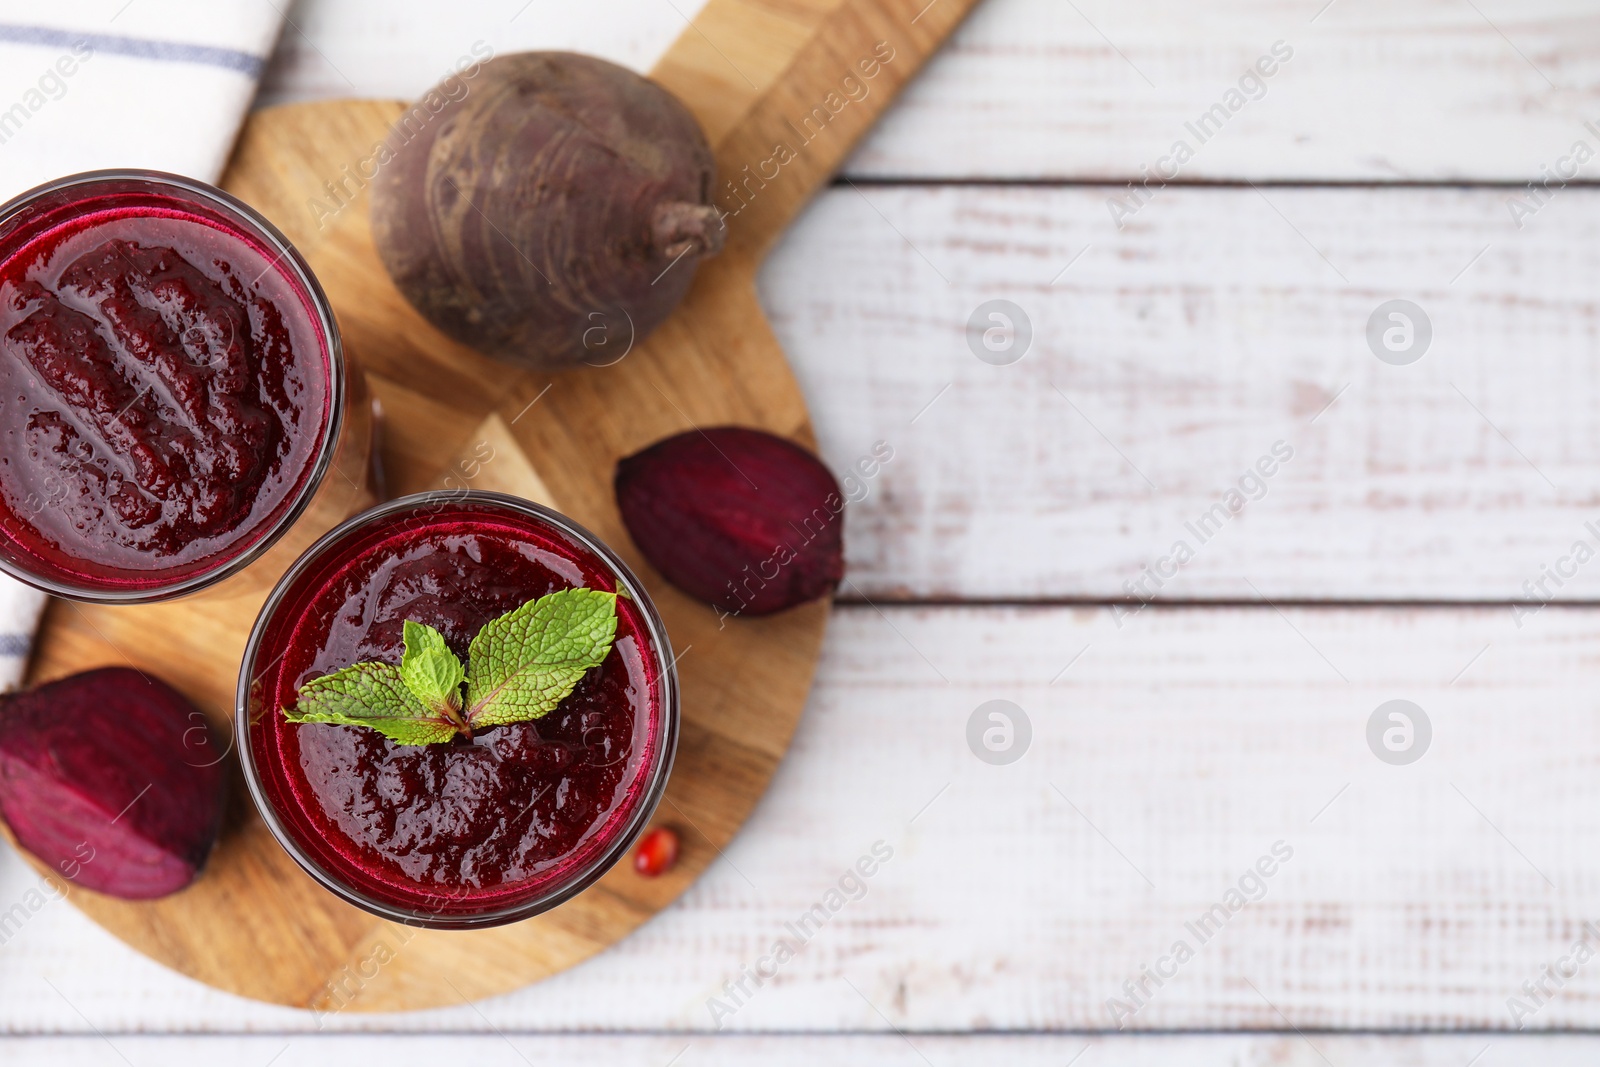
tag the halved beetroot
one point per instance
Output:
(112, 779)
(739, 518)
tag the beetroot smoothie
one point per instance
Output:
(468, 832)
(172, 380)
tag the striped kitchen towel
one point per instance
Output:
(157, 84)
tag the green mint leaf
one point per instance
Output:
(525, 663)
(373, 695)
(430, 670)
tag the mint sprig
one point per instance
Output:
(521, 666)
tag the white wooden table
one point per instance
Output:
(1174, 747)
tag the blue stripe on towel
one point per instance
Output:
(14, 644)
(168, 51)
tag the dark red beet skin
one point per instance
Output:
(111, 778)
(739, 518)
(551, 213)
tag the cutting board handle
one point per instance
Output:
(784, 91)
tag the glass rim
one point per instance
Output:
(300, 274)
(659, 773)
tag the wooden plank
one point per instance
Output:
(802, 1050)
(1179, 749)
(1427, 90)
(1170, 358)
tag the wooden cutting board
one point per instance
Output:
(758, 74)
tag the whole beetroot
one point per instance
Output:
(551, 215)
(736, 517)
(110, 777)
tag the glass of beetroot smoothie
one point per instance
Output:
(474, 831)
(176, 394)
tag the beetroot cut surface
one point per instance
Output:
(739, 518)
(111, 778)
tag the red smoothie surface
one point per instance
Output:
(470, 826)
(167, 386)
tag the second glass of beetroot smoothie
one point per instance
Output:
(472, 832)
(177, 398)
